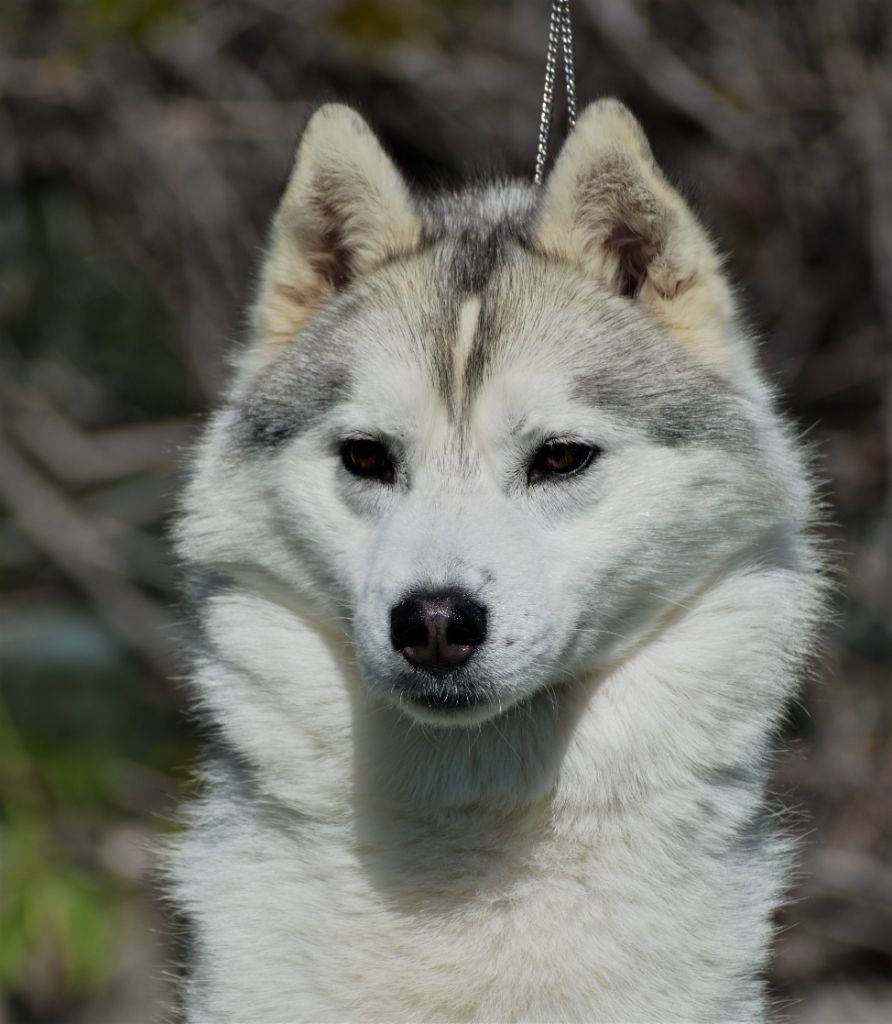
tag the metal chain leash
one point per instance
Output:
(569, 67)
(560, 32)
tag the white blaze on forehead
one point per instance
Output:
(468, 317)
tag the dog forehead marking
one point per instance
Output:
(468, 321)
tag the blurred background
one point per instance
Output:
(143, 144)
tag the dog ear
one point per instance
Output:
(346, 209)
(608, 208)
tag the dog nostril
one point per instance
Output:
(437, 631)
(407, 628)
(467, 631)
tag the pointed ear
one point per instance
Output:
(608, 208)
(346, 210)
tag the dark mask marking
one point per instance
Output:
(675, 402)
(289, 396)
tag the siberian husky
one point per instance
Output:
(504, 573)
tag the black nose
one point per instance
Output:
(437, 631)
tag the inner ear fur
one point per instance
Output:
(346, 209)
(608, 208)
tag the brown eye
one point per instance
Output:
(560, 458)
(368, 459)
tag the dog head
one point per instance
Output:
(496, 435)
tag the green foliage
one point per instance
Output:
(370, 22)
(55, 913)
(67, 768)
(74, 298)
(377, 24)
(132, 18)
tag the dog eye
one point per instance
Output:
(368, 459)
(560, 458)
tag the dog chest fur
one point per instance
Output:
(630, 878)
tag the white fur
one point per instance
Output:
(588, 847)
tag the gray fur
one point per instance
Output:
(296, 390)
(476, 243)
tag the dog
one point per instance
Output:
(504, 566)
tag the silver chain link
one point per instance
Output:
(569, 67)
(560, 32)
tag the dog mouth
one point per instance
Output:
(441, 694)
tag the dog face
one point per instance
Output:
(499, 436)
